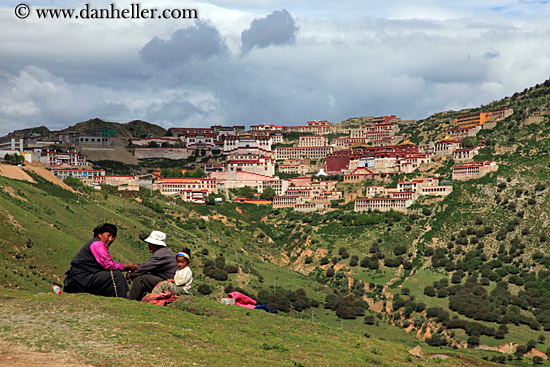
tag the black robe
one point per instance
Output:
(86, 275)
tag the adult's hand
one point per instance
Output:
(130, 267)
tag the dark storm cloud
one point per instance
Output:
(201, 41)
(278, 28)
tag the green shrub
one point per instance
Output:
(204, 289)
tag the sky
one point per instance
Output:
(246, 62)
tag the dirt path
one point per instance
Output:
(14, 355)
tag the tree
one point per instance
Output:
(469, 142)
(268, 194)
(247, 192)
(473, 341)
(14, 158)
(429, 291)
(73, 182)
(197, 172)
(370, 320)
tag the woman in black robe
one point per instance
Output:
(94, 271)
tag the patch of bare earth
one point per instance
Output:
(14, 355)
(47, 175)
(14, 172)
(11, 220)
(12, 192)
(57, 337)
(19, 173)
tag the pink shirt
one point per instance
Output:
(101, 254)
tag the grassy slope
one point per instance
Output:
(115, 332)
(46, 226)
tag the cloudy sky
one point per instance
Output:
(267, 61)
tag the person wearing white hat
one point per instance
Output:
(161, 266)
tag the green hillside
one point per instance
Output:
(464, 272)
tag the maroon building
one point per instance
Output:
(338, 161)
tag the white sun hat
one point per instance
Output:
(157, 238)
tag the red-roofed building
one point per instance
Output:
(247, 144)
(199, 140)
(384, 119)
(319, 152)
(339, 161)
(312, 141)
(299, 168)
(474, 170)
(463, 132)
(462, 155)
(87, 176)
(346, 142)
(286, 201)
(358, 175)
(300, 181)
(262, 166)
(382, 204)
(446, 148)
(408, 195)
(173, 186)
(481, 118)
(72, 159)
(194, 196)
(309, 207)
(312, 127)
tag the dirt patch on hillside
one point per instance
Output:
(19, 173)
(12, 192)
(7, 217)
(47, 175)
(14, 172)
(14, 355)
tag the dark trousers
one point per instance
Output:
(107, 283)
(142, 285)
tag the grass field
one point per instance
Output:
(116, 332)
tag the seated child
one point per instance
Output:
(181, 284)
